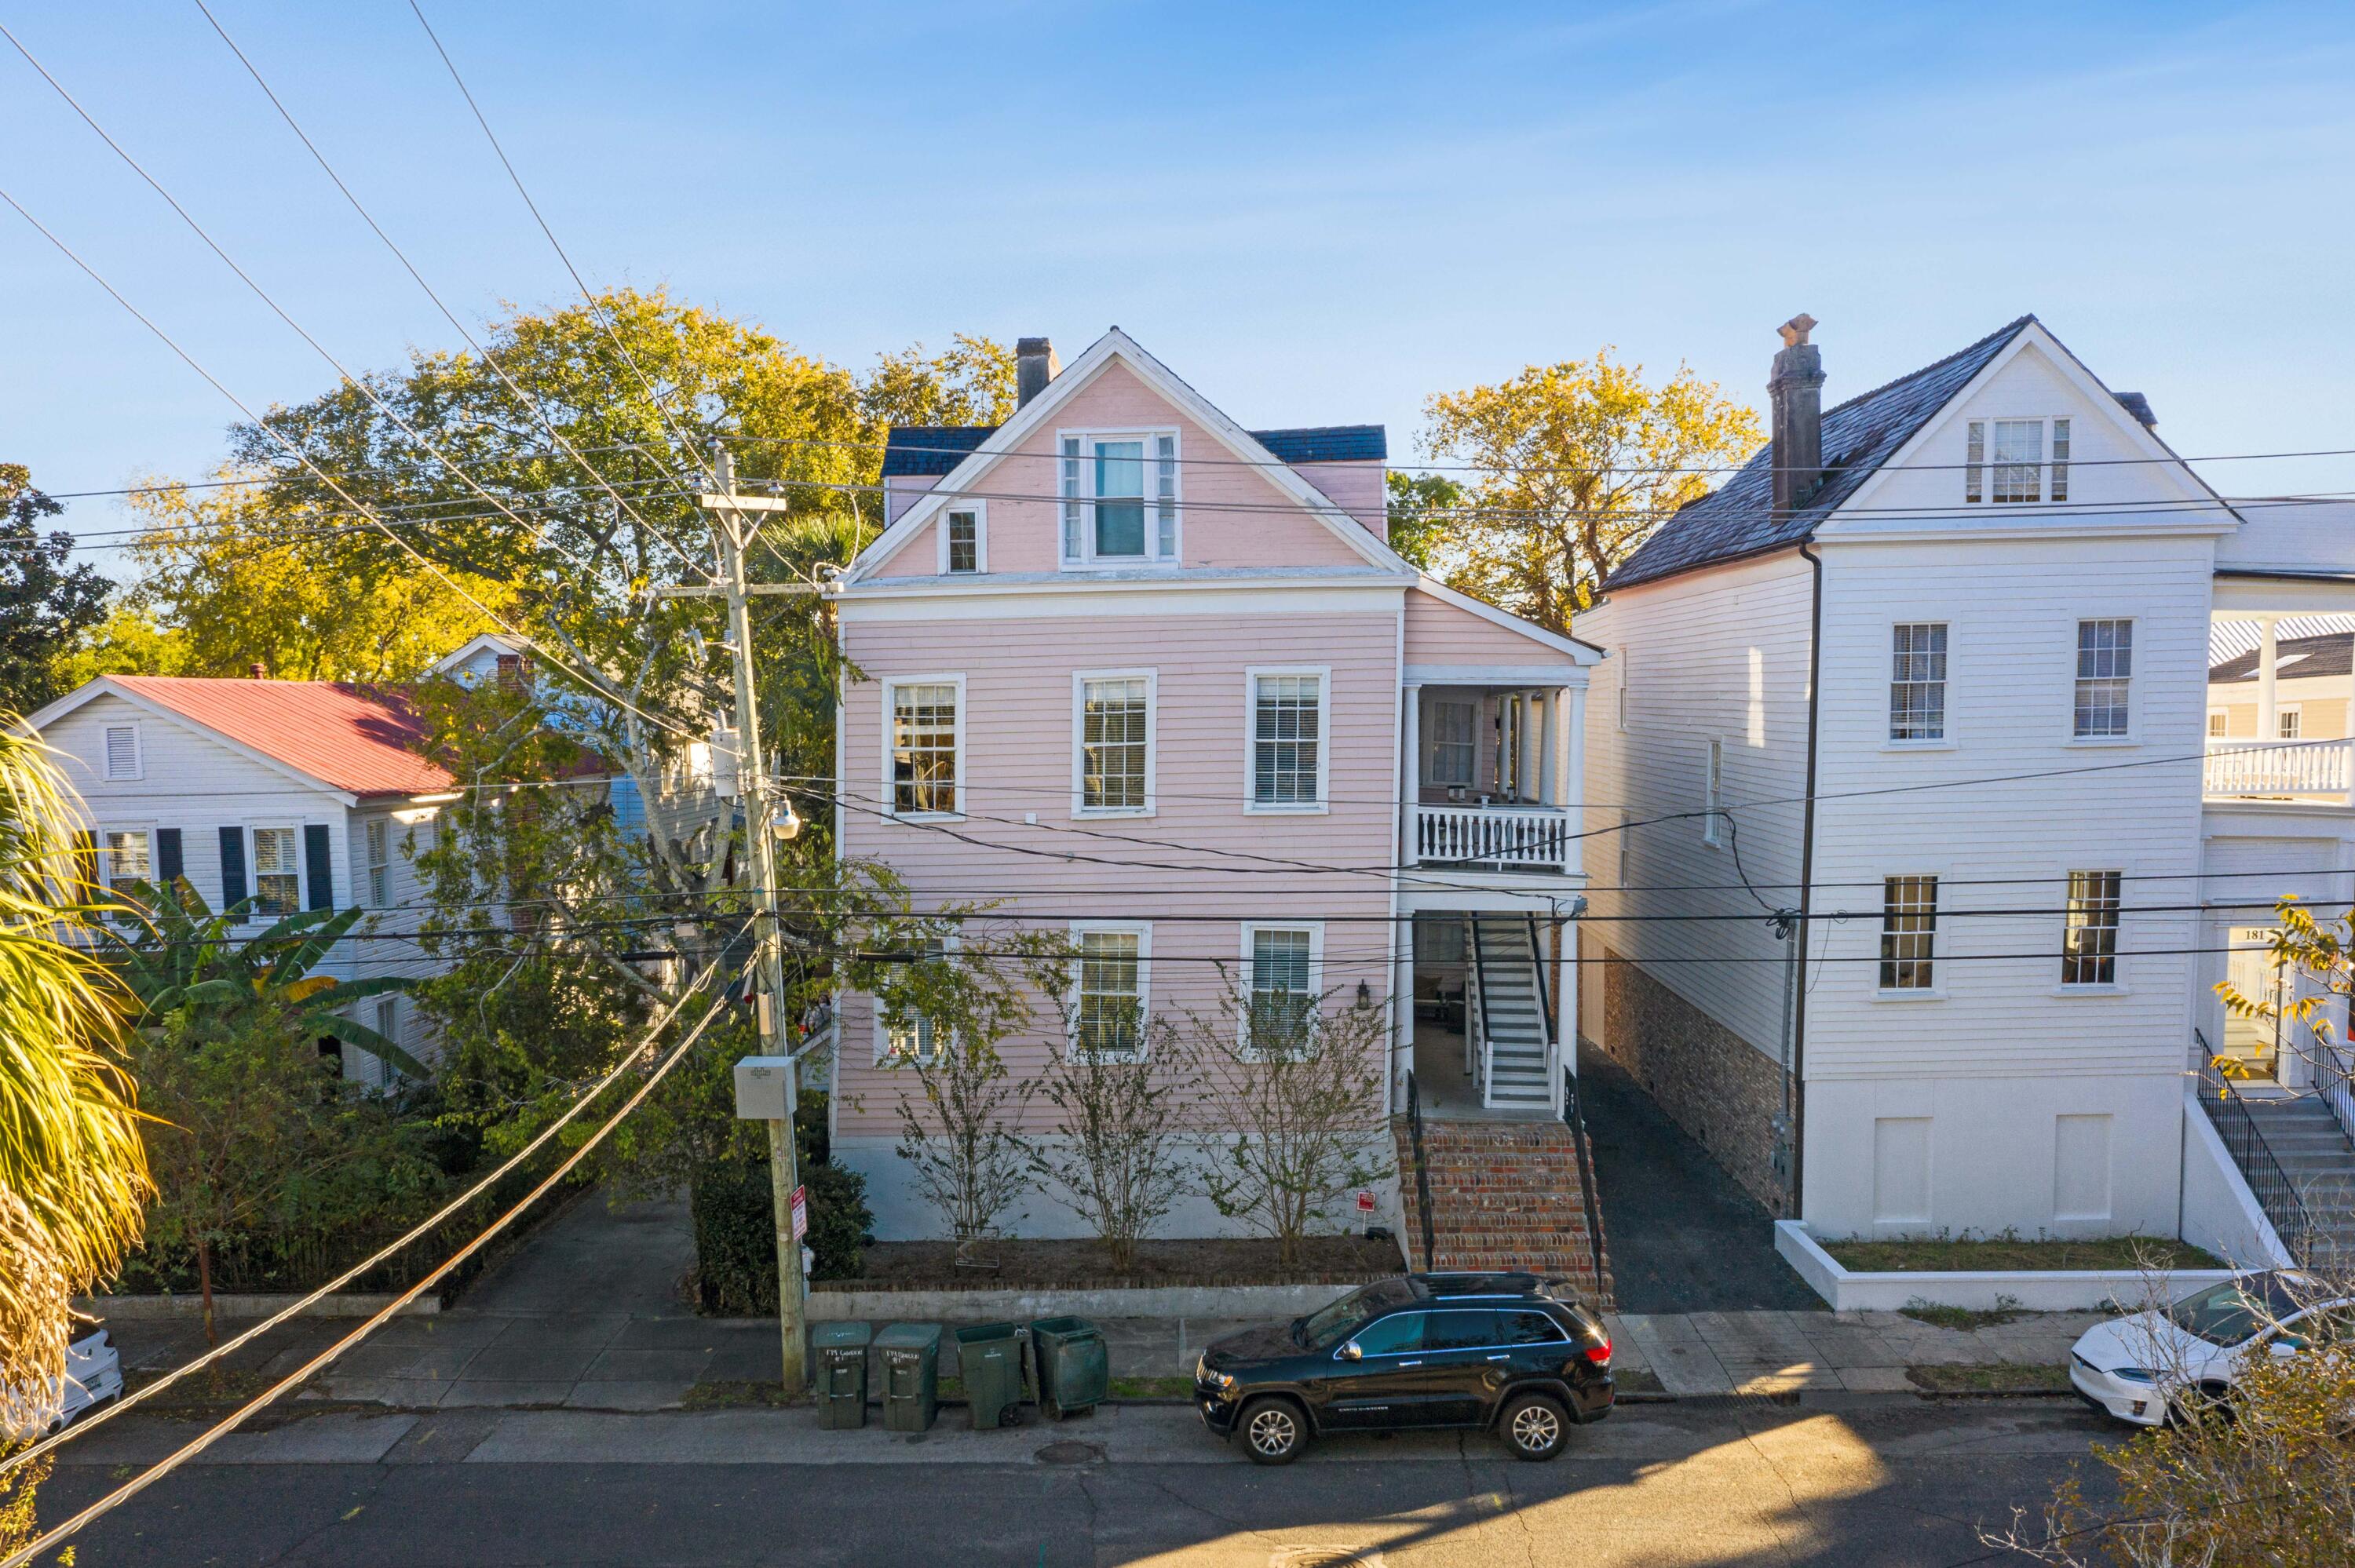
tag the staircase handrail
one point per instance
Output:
(1476, 1014)
(1421, 1169)
(2275, 1193)
(1545, 996)
(1575, 1114)
(2334, 1084)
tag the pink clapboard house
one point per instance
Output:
(1136, 673)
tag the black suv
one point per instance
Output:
(1500, 1351)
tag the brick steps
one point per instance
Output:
(1504, 1195)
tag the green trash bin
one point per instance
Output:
(989, 1360)
(1074, 1368)
(841, 1355)
(910, 1358)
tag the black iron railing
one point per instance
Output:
(1576, 1115)
(1421, 1169)
(2275, 1193)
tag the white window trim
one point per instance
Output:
(2116, 984)
(1427, 723)
(1712, 793)
(1316, 929)
(1946, 741)
(1149, 434)
(980, 511)
(98, 838)
(1941, 954)
(2045, 464)
(138, 755)
(1324, 802)
(2288, 713)
(252, 825)
(884, 1055)
(2133, 735)
(1142, 931)
(890, 795)
(1080, 679)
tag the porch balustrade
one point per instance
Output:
(1504, 838)
(2316, 769)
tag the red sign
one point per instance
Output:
(1365, 1202)
(801, 1213)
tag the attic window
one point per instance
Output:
(2007, 463)
(961, 541)
(1119, 496)
(122, 760)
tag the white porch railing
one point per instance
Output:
(1509, 838)
(2316, 767)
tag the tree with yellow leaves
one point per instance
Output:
(1573, 466)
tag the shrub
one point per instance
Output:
(734, 1211)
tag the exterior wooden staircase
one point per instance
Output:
(1504, 1195)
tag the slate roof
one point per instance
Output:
(2295, 658)
(348, 738)
(933, 449)
(1737, 518)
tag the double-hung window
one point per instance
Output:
(914, 1035)
(1908, 929)
(2289, 723)
(1288, 715)
(1712, 793)
(2089, 931)
(125, 859)
(924, 743)
(379, 863)
(2103, 708)
(277, 871)
(964, 547)
(1109, 988)
(1118, 491)
(2004, 461)
(1454, 750)
(1917, 680)
(1115, 756)
(1281, 965)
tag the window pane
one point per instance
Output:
(2059, 459)
(1528, 1329)
(914, 1038)
(2289, 721)
(1165, 493)
(1284, 740)
(965, 542)
(126, 858)
(1917, 681)
(1113, 720)
(2019, 460)
(2089, 938)
(277, 884)
(923, 747)
(1109, 1000)
(1070, 484)
(2105, 669)
(1459, 1330)
(1909, 922)
(1281, 994)
(1974, 462)
(1452, 748)
(1394, 1335)
(1120, 498)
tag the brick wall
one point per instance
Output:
(1717, 1085)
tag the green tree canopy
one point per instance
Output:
(46, 601)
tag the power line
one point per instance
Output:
(309, 1369)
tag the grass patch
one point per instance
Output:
(2010, 1253)
(2005, 1309)
(214, 1385)
(1993, 1377)
(737, 1393)
(1152, 1388)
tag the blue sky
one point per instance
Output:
(1316, 214)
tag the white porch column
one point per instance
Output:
(1548, 750)
(1525, 770)
(1574, 773)
(1410, 772)
(1403, 999)
(2268, 697)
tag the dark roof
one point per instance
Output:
(2330, 653)
(1738, 518)
(2137, 405)
(934, 449)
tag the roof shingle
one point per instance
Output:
(1738, 518)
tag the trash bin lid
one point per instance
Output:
(986, 1334)
(825, 1336)
(1064, 1327)
(909, 1337)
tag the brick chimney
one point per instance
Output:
(1796, 391)
(1035, 364)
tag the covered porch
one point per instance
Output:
(1491, 769)
(2279, 691)
(1491, 992)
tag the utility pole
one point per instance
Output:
(752, 776)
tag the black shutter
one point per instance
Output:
(86, 867)
(233, 851)
(322, 870)
(169, 863)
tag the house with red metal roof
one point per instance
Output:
(279, 795)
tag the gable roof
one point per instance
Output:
(1738, 517)
(357, 739)
(2295, 658)
(934, 449)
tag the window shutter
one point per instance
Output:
(232, 856)
(320, 869)
(168, 861)
(86, 867)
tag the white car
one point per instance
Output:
(93, 1376)
(2138, 1368)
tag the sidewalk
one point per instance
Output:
(590, 1316)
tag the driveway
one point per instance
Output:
(1684, 1236)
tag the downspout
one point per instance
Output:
(1792, 1079)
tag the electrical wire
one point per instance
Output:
(68, 1528)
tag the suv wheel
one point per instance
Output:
(1533, 1426)
(1273, 1430)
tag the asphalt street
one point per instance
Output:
(1843, 1480)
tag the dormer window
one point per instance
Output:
(1119, 496)
(2005, 462)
